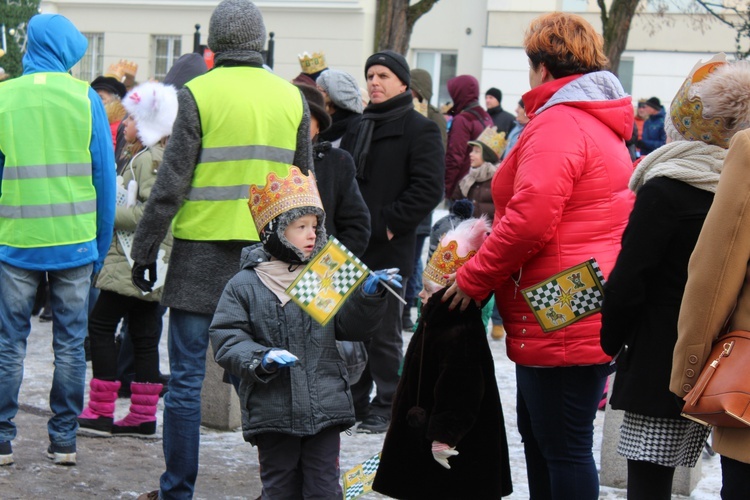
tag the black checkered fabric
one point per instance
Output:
(664, 441)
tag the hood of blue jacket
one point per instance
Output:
(53, 44)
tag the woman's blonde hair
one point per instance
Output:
(566, 44)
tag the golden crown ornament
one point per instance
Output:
(444, 261)
(282, 193)
(312, 64)
(493, 139)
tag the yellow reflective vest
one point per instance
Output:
(249, 121)
(48, 197)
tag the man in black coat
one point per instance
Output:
(503, 120)
(400, 164)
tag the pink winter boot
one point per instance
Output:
(97, 417)
(142, 417)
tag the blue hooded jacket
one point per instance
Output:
(54, 45)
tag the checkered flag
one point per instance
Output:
(358, 480)
(567, 296)
(327, 281)
(544, 296)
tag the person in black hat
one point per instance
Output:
(400, 162)
(503, 120)
(108, 88)
(654, 135)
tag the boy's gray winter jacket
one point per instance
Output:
(313, 394)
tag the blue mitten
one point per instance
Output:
(278, 358)
(373, 282)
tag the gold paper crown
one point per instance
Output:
(445, 261)
(311, 64)
(121, 69)
(281, 194)
(686, 111)
(493, 139)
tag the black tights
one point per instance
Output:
(649, 481)
(143, 327)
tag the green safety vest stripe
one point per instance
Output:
(47, 171)
(214, 193)
(55, 210)
(235, 153)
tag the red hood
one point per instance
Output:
(463, 89)
(598, 94)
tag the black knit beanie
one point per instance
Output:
(394, 62)
(495, 93)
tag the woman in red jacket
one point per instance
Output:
(561, 197)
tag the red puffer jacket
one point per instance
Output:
(561, 197)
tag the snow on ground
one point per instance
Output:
(226, 458)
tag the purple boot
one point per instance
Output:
(97, 417)
(141, 421)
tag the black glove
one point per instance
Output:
(139, 276)
(640, 144)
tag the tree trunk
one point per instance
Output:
(616, 27)
(394, 22)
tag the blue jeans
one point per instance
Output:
(187, 344)
(556, 408)
(68, 289)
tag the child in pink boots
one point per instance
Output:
(152, 109)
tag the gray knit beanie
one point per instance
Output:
(342, 88)
(236, 25)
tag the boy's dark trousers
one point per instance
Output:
(293, 467)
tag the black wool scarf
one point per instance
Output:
(392, 109)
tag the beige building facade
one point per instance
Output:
(478, 37)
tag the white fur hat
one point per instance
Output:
(153, 105)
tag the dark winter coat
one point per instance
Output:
(654, 136)
(402, 183)
(458, 392)
(341, 120)
(312, 395)
(503, 120)
(469, 120)
(198, 270)
(644, 291)
(347, 217)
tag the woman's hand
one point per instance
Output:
(460, 299)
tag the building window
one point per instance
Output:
(166, 50)
(91, 64)
(442, 67)
(625, 74)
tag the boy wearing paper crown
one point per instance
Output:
(447, 433)
(294, 386)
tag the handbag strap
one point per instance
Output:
(708, 372)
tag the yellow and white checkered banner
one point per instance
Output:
(358, 480)
(327, 281)
(567, 296)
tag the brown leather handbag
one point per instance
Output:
(721, 396)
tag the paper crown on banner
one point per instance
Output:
(311, 64)
(282, 193)
(686, 111)
(491, 138)
(455, 249)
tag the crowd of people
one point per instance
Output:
(198, 196)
